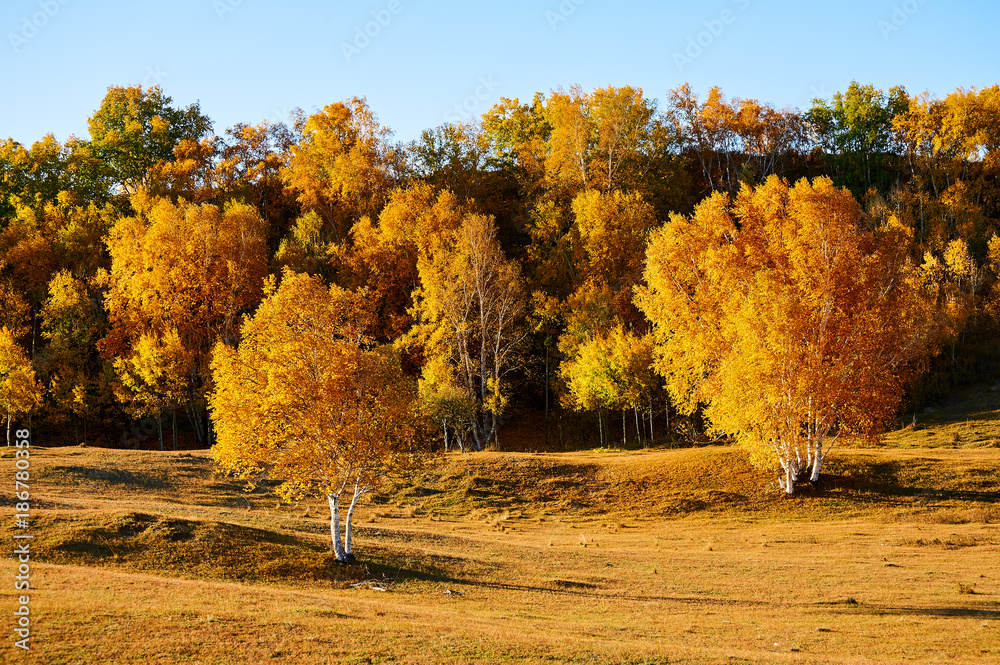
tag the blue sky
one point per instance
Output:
(249, 60)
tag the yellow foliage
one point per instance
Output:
(343, 166)
(469, 311)
(789, 320)
(383, 257)
(180, 274)
(20, 391)
(306, 398)
(612, 371)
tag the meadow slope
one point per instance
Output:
(651, 556)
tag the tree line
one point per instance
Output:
(590, 252)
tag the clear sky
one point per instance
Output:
(249, 60)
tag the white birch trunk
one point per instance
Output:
(338, 544)
(789, 483)
(8, 428)
(791, 468)
(817, 463)
(349, 526)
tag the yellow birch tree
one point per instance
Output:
(307, 398)
(788, 319)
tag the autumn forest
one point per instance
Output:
(617, 270)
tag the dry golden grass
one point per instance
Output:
(662, 556)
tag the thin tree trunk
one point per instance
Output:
(8, 428)
(546, 394)
(600, 427)
(559, 427)
(159, 428)
(338, 544)
(638, 433)
(349, 526)
(666, 413)
(652, 437)
(444, 427)
(624, 435)
(192, 414)
(173, 413)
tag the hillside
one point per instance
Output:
(648, 556)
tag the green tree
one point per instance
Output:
(136, 128)
(855, 131)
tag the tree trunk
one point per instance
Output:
(666, 415)
(788, 482)
(159, 428)
(624, 434)
(8, 428)
(652, 436)
(444, 427)
(174, 418)
(195, 418)
(546, 394)
(338, 544)
(349, 525)
(817, 463)
(559, 426)
(635, 409)
(477, 435)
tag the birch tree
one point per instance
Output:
(20, 392)
(308, 399)
(787, 318)
(344, 166)
(469, 310)
(184, 273)
(613, 371)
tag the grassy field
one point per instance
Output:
(650, 556)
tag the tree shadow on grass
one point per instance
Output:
(878, 610)
(891, 481)
(138, 479)
(437, 569)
